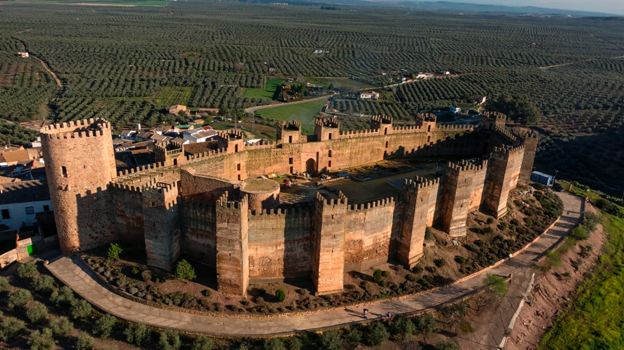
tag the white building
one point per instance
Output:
(455, 110)
(22, 54)
(199, 135)
(369, 95)
(20, 201)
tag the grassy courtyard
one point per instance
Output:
(304, 113)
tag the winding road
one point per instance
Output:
(73, 272)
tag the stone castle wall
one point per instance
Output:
(193, 205)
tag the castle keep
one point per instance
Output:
(213, 208)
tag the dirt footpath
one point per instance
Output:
(552, 292)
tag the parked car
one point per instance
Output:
(557, 186)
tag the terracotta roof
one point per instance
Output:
(15, 156)
(201, 147)
(24, 192)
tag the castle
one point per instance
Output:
(214, 208)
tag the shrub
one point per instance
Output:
(417, 269)
(502, 226)
(80, 309)
(19, 297)
(60, 326)
(184, 271)
(514, 222)
(4, 284)
(353, 336)
(473, 247)
(294, 344)
(411, 277)
(10, 328)
(426, 324)
(27, 270)
(137, 334)
(538, 186)
(554, 258)
(377, 276)
(447, 345)
(37, 313)
(113, 252)
(44, 283)
(330, 340)
(431, 269)
(496, 284)
(580, 233)
(487, 230)
(439, 262)
(202, 343)
(85, 341)
(489, 220)
(62, 296)
(428, 233)
(460, 259)
(385, 273)
(169, 340)
(528, 221)
(41, 340)
(590, 220)
(135, 270)
(403, 328)
(461, 308)
(378, 333)
(273, 344)
(103, 327)
(280, 295)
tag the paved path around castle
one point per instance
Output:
(74, 273)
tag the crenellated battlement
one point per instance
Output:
(426, 117)
(501, 130)
(509, 150)
(495, 115)
(230, 134)
(420, 183)
(327, 122)
(298, 210)
(142, 169)
(385, 202)
(407, 129)
(124, 187)
(259, 145)
(76, 129)
(464, 166)
(455, 127)
(193, 158)
(224, 203)
(292, 125)
(359, 133)
(322, 200)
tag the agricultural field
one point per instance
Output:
(268, 92)
(177, 95)
(339, 83)
(304, 113)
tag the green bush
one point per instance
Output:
(403, 329)
(439, 262)
(294, 344)
(428, 233)
(330, 340)
(353, 336)
(489, 220)
(202, 343)
(273, 344)
(580, 233)
(447, 345)
(103, 327)
(19, 297)
(10, 328)
(502, 226)
(41, 340)
(426, 324)
(4, 284)
(184, 271)
(590, 220)
(515, 222)
(538, 186)
(378, 333)
(85, 341)
(135, 270)
(411, 277)
(169, 340)
(113, 252)
(280, 295)
(417, 269)
(460, 259)
(62, 296)
(60, 326)
(38, 312)
(137, 334)
(80, 309)
(44, 283)
(554, 258)
(27, 270)
(487, 230)
(496, 284)
(377, 276)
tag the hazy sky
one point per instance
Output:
(606, 6)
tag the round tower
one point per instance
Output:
(80, 163)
